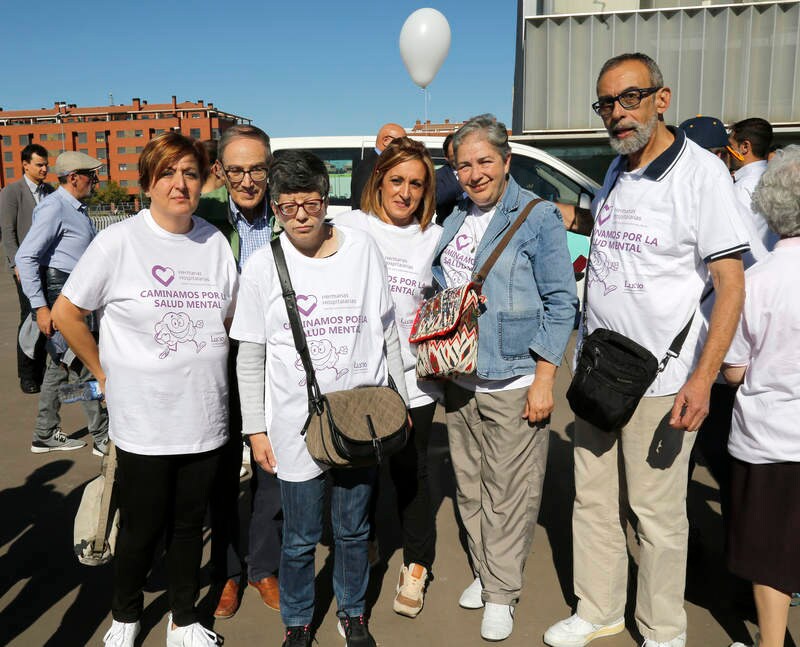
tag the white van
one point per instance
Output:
(533, 169)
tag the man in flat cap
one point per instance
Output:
(60, 233)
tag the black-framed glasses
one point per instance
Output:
(290, 209)
(629, 100)
(236, 174)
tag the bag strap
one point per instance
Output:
(109, 474)
(315, 404)
(480, 276)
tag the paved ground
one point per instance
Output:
(47, 598)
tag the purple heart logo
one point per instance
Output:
(604, 215)
(306, 303)
(462, 241)
(163, 275)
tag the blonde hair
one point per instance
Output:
(402, 150)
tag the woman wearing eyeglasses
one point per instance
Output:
(346, 309)
(397, 209)
(163, 283)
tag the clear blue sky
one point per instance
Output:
(294, 67)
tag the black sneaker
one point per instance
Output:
(356, 633)
(297, 637)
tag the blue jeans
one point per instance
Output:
(302, 530)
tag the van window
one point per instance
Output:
(544, 180)
(339, 162)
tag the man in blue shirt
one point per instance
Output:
(60, 233)
(240, 210)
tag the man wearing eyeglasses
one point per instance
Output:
(60, 233)
(749, 144)
(240, 210)
(663, 222)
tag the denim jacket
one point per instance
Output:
(530, 291)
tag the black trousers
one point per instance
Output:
(409, 471)
(228, 554)
(157, 494)
(29, 370)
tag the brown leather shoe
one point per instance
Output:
(229, 600)
(268, 589)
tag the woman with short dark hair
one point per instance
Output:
(163, 283)
(346, 310)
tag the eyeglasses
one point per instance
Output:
(290, 209)
(629, 100)
(236, 174)
(92, 175)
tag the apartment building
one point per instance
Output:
(114, 134)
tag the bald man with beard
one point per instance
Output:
(362, 171)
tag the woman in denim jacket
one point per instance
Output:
(498, 418)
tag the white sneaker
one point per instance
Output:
(193, 635)
(740, 645)
(577, 632)
(678, 641)
(410, 591)
(498, 621)
(121, 634)
(245, 453)
(471, 597)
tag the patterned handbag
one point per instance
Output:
(445, 328)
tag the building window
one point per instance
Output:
(10, 173)
(103, 170)
(126, 134)
(52, 137)
(7, 140)
(8, 156)
(85, 151)
(194, 133)
(24, 140)
(99, 137)
(196, 115)
(126, 150)
(123, 167)
(123, 182)
(158, 131)
(138, 133)
(81, 138)
(100, 153)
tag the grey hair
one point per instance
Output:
(777, 195)
(246, 131)
(656, 78)
(495, 132)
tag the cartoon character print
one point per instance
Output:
(323, 357)
(177, 328)
(599, 269)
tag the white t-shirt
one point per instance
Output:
(652, 239)
(764, 427)
(408, 252)
(458, 265)
(345, 306)
(162, 300)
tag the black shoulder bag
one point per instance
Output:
(613, 372)
(354, 428)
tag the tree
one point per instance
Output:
(111, 192)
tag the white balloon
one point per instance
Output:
(424, 44)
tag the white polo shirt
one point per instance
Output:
(764, 427)
(653, 237)
(745, 181)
